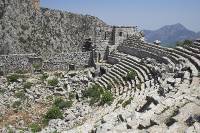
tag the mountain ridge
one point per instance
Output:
(170, 34)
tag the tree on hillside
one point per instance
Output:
(182, 43)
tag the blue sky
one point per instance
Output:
(147, 14)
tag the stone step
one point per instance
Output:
(110, 79)
(170, 62)
(182, 49)
(103, 84)
(192, 49)
(100, 84)
(170, 55)
(126, 67)
(141, 68)
(182, 56)
(142, 72)
(105, 80)
(114, 72)
(192, 59)
(154, 52)
(119, 70)
(146, 68)
(114, 88)
(197, 44)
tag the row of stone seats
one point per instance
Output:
(151, 50)
(192, 48)
(115, 77)
(188, 52)
(193, 63)
(187, 55)
(118, 88)
(197, 44)
(135, 63)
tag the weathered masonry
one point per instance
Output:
(108, 38)
(29, 62)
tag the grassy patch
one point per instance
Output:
(109, 87)
(53, 82)
(44, 76)
(130, 75)
(107, 97)
(53, 113)
(97, 94)
(35, 127)
(14, 78)
(27, 85)
(37, 66)
(20, 94)
(61, 104)
(16, 104)
(184, 43)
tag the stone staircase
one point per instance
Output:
(151, 109)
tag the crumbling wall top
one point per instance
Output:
(36, 5)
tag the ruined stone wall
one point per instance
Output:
(64, 60)
(122, 33)
(79, 58)
(26, 62)
(36, 5)
(13, 63)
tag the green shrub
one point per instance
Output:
(183, 43)
(107, 97)
(53, 113)
(53, 82)
(97, 94)
(109, 87)
(44, 76)
(93, 93)
(36, 66)
(20, 94)
(127, 102)
(49, 97)
(60, 103)
(16, 104)
(35, 127)
(10, 130)
(71, 95)
(13, 78)
(115, 81)
(130, 75)
(27, 85)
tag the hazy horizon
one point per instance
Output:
(149, 15)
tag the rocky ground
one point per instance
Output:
(172, 104)
(25, 98)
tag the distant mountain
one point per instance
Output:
(198, 34)
(170, 34)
